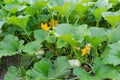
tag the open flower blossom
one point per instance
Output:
(86, 50)
(53, 23)
(45, 27)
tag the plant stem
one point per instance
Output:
(96, 51)
(77, 56)
(97, 24)
(111, 34)
(77, 21)
(27, 35)
(67, 20)
(52, 19)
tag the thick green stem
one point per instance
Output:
(67, 20)
(77, 21)
(27, 35)
(95, 48)
(111, 34)
(97, 24)
(77, 56)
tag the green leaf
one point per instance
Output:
(104, 71)
(112, 54)
(114, 2)
(101, 71)
(95, 41)
(41, 35)
(13, 8)
(30, 10)
(1, 24)
(10, 45)
(40, 4)
(99, 32)
(20, 20)
(9, 1)
(83, 75)
(45, 17)
(66, 9)
(106, 5)
(112, 17)
(62, 29)
(81, 8)
(116, 34)
(79, 32)
(53, 3)
(61, 43)
(97, 36)
(68, 38)
(25, 61)
(115, 46)
(40, 70)
(98, 13)
(4, 14)
(12, 74)
(32, 47)
(51, 39)
(60, 69)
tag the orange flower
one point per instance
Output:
(53, 23)
(45, 26)
(86, 50)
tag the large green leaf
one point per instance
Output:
(10, 45)
(101, 71)
(82, 7)
(95, 41)
(40, 70)
(51, 39)
(63, 29)
(79, 32)
(114, 2)
(83, 75)
(45, 70)
(116, 34)
(112, 54)
(104, 71)
(4, 14)
(20, 20)
(13, 8)
(112, 17)
(41, 35)
(1, 24)
(106, 5)
(40, 4)
(69, 39)
(32, 47)
(61, 43)
(30, 10)
(97, 35)
(12, 74)
(9, 1)
(66, 9)
(98, 13)
(53, 3)
(60, 68)
(99, 32)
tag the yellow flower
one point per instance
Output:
(45, 26)
(86, 50)
(53, 23)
